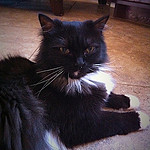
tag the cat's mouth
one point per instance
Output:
(76, 75)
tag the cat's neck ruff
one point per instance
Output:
(85, 84)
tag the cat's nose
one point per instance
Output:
(79, 62)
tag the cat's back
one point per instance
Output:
(15, 74)
(14, 78)
(21, 114)
(14, 67)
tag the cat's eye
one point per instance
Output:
(89, 50)
(64, 50)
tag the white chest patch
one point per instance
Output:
(53, 142)
(84, 84)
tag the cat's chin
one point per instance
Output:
(76, 75)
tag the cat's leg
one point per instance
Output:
(116, 101)
(106, 124)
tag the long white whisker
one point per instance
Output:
(91, 69)
(42, 88)
(51, 78)
(115, 66)
(50, 69)
(107, 67)
(41, 81)
(102, 67)
(52, 73)
(97, 64)
(110, 62)
(48, 83)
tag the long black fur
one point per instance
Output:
(77, 118)
(22, 125)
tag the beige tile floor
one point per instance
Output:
(128, 48)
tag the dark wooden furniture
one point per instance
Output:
(102, 1)
(57, 6)
(134, 10)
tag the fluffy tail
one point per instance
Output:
(21, 118)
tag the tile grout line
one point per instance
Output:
(71, 7)
(144, 86)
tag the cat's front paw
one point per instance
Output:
(144, 120)
(134, 101)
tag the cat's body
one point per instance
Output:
(64, 92)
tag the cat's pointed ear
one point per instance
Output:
(100, 23)
(46, 23)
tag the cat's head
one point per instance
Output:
(76, 46)
(70, 50)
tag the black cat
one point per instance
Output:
(63, 94)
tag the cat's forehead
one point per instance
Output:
(72, 27)
(81, 30)
(77, 25)
(74, 33)
(77, 28)
(72, 23)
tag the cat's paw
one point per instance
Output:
(134, 101)
(144, 120)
